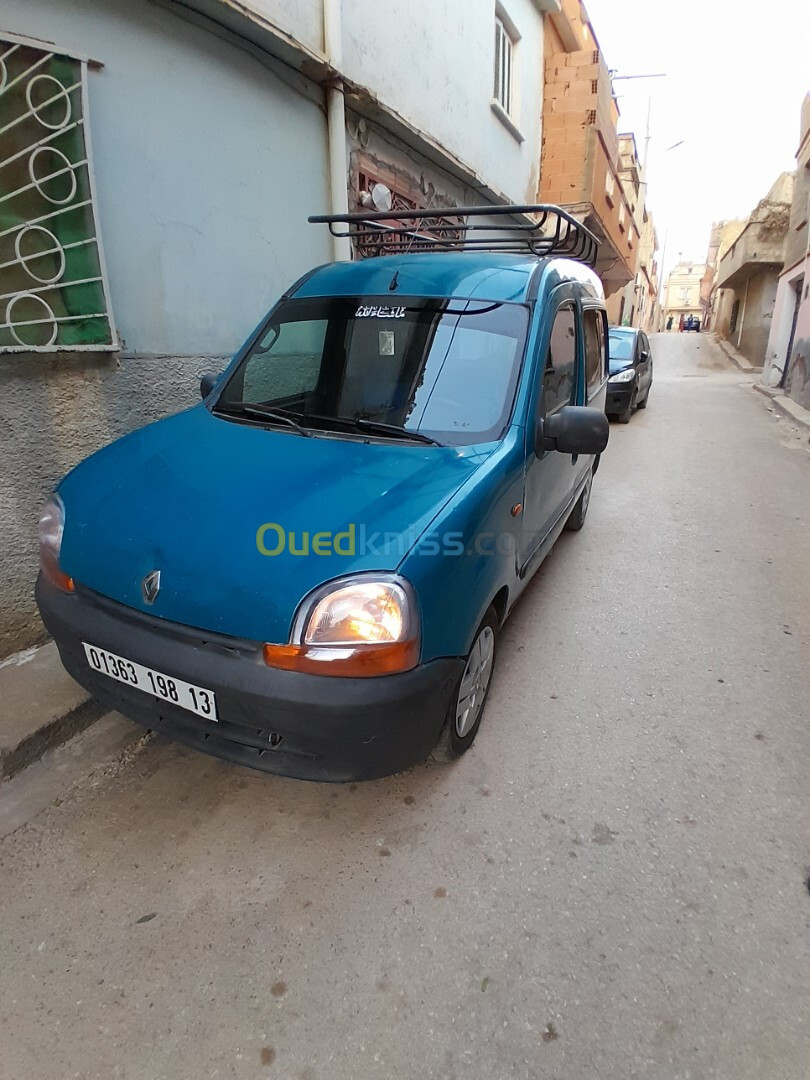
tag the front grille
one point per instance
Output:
(188, 635)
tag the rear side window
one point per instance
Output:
(560, 369)
(594, 349)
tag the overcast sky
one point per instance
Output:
(737, 72)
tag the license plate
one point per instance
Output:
(194, 698)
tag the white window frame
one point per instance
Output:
(503, 86)
(506, 82)
(610, 186)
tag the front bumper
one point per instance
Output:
(313, 727)
(619, 397)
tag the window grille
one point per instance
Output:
(370, 241)
(504, 47)
(53, 293)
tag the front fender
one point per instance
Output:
(469, 553)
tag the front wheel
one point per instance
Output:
(467, 705)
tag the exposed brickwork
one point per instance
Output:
(580, 149)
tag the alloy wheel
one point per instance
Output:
(475, 682)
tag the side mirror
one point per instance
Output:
(207, 384)
(573, 429)
(644, 355)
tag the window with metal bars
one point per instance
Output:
(427, 233)
(504, 50)
(53, 293)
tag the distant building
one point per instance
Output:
(683, 293)
(787, 356)
(639, 299)
(748, 274)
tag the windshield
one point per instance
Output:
(620, 350)
(446, 369)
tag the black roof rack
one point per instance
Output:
(390, 232)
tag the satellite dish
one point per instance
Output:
(381, 197)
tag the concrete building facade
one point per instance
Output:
(188, 142)
(787, 356)
(721, 237)
(748, 274)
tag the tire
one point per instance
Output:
(643, 404)
(576, 519)
(460, 727)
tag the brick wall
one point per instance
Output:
(580, 145)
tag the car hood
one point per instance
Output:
(188, 495)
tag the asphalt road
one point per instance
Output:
(610, 885)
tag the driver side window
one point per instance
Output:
(285, 363)
(560, 369)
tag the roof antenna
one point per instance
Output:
(394, 283)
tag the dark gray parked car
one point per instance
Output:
(631, 372)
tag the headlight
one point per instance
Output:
(623, 376)
(51, 529)
(372, 611)
(359, 626)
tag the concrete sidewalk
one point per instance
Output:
(735, 356)
(41, 707)
(786, 406)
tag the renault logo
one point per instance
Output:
(150, 586)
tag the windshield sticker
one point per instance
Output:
(380, 313)
(386, 343)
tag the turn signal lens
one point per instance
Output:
(364, 661)
(51, 529)
(360, 626)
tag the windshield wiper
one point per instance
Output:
(393, 430)
(352, 423)
(262, 412)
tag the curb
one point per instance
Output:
(785, 405)
(735, 356)
(42, 707)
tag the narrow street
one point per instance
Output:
(611, 884)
